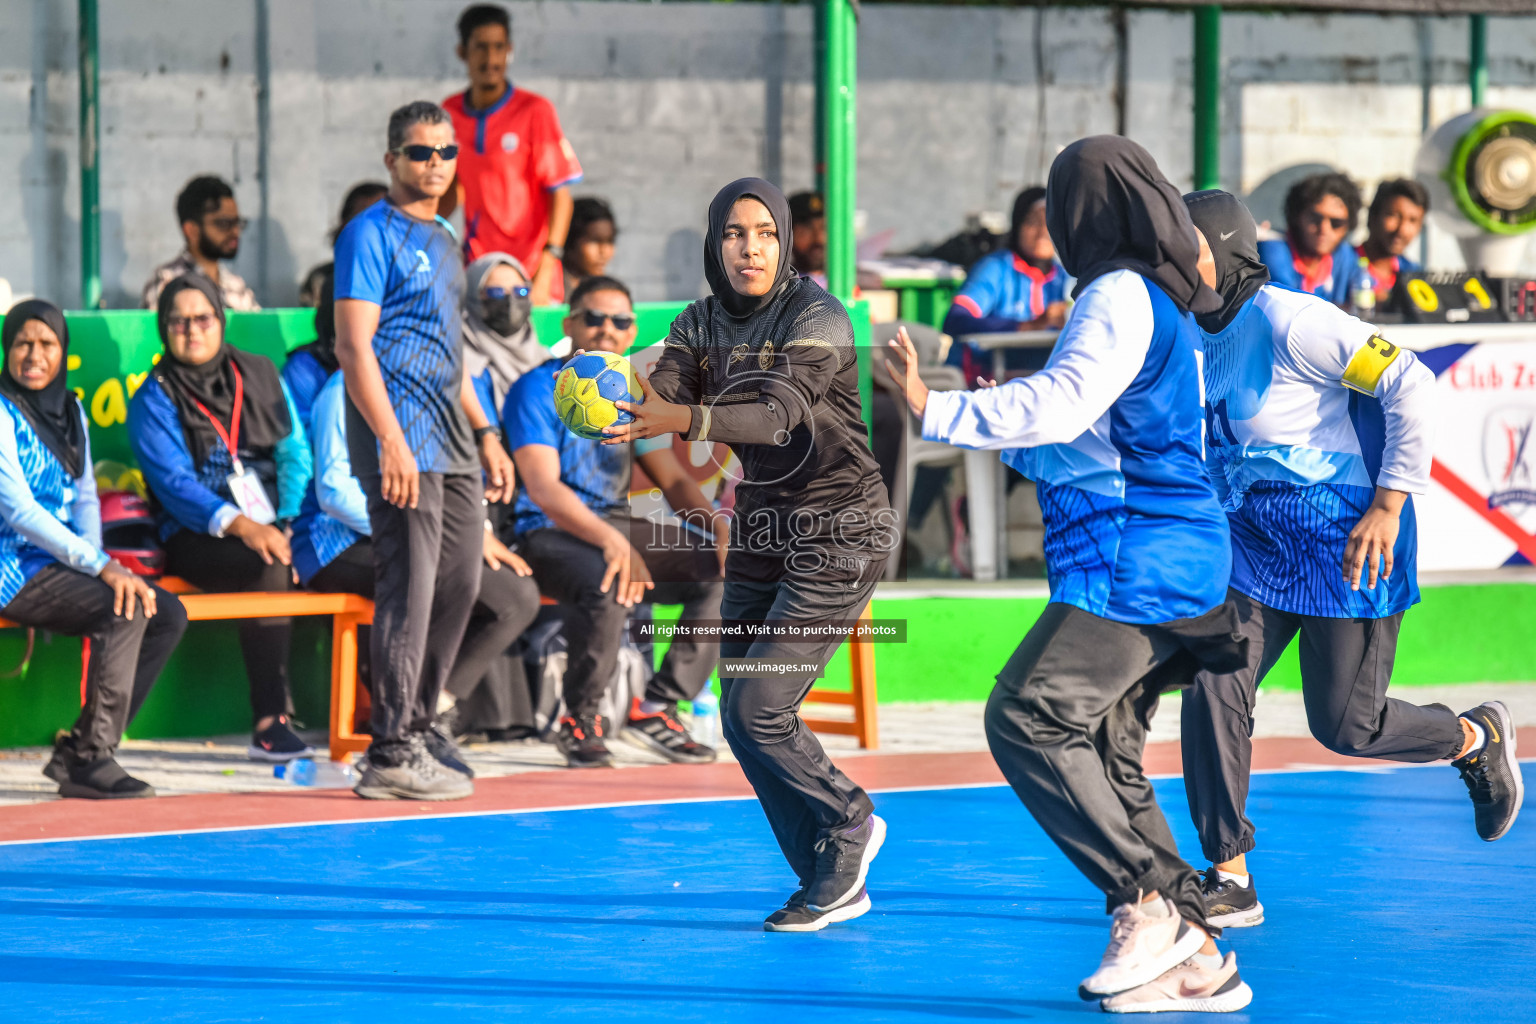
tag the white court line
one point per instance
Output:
(669, 801)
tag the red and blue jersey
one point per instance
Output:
(1001, 292)
(1329, 279)
(512, 155)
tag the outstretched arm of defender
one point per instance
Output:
(356, 322)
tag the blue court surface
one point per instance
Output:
(1383, 907)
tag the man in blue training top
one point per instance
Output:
(413, 427)
(1319, 432)
(1137, 552)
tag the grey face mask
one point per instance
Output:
(506, 314)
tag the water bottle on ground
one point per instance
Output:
(706, 717)
(316, 774)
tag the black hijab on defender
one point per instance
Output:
(1229, 230)
(1109, 208)
(776, 377)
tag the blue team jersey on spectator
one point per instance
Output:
(305, 377)
(1000, 292)
(598, 473)
(198, 497)
(334, 514)
(46, 502)
(412, 270)
(485, 391)
(1332, 285)
(1133, 529)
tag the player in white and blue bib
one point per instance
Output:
(1137, 552)
(1318, 434)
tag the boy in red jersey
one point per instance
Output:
(515, 164)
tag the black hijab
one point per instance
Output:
(1022, 204)
(769, 195)
(53, 411)
(1234, 240)
(1109, 208)
(264, 413)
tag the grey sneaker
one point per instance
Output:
(418, 777)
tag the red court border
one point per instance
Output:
(84, 819)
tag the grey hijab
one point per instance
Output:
(508, 357)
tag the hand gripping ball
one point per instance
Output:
(586, 388)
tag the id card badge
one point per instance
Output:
(251, 497)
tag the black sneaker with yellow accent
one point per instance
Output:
(580, 739)
(1227, 904)
(660, 732)
(1491, 772)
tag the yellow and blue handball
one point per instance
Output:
(586, 389)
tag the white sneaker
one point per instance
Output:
(1140, 948)
(1189, 987)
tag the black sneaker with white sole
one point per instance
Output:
(1227, 904)
(662, 733)
(842, 861)
(797, 916)
(278, 744)
(1492, 773)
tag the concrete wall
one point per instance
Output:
(958, 108)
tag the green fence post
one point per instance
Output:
(836, 100)
(1207, 75)
(90, 147)
(1478, 57)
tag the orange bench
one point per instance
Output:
(348, 611)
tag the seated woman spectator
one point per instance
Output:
(1321, 211)
(1021, 288)
(1393, 224)
(224, 455)
(53, 572)
(499, 343)
(589, 245)
(332, 553)
(309, 366)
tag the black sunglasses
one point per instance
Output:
(421, 154)
(1337, 223)
(594, 319)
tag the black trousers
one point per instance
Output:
(803, 794)
(225, 564)
(426, 564)
(686, 571)
(505, 606)
(1346, 665)
(122, 657)
(1067, 723)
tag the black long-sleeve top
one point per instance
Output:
(781, 388)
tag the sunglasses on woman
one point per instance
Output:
(594, 319)
(421, 154)
(182, 324)
(497, 292)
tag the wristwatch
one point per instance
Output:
(482, 431)
(557, 251)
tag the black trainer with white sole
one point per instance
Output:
(1227, 904)
(278, 744)
(797, 916)
(1492, 773)
(842, 862)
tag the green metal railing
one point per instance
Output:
(90, 149)
(837, 164)
(1207, 87)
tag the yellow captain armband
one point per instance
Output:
(1366, 367)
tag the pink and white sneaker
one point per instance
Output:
(1188, 987)
(1141, 947)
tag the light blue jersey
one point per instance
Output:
(1309, 411)
(1111, 431)
(334, 515)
